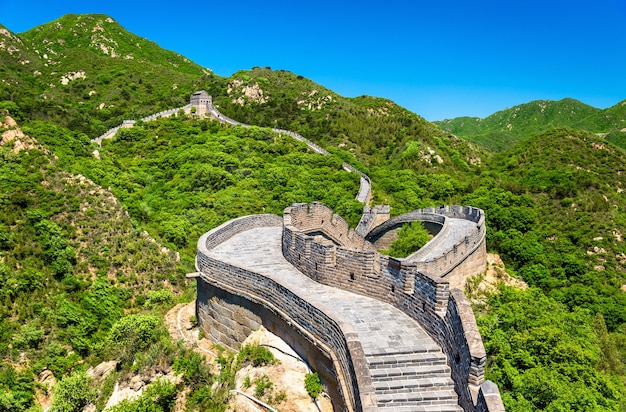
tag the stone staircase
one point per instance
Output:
(416, 380)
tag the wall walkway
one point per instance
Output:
(395, 363)
(392, 347)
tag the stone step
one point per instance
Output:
(415, 371)
(406, 359)
(414, 385)
(426, 344)
(418, 398)
(421, 408)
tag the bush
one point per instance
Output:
(313, 385)
(194, 368)
(73, 393)
(256, 355)
(262, 384)
(135, 333)
(131, 134)
(157, 297)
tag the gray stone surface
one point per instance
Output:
(392, 342)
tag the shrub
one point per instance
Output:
(73, 393)
(193, 366)
(157, 297)
(262, 384)
(313, 385)
(256, 355)
(130, 134)
(135, 333)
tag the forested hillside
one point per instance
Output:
(503, 129)
(555, 212)
(95, 245)
(88, 73)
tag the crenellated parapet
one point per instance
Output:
(321, 246)
(317, 219)
(243, 283)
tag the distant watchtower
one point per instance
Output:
(201, 101)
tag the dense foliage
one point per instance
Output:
(179, 177)
(554, 209)
(503, 129)
(546, 356)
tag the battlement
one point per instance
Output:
(416, 285)
(317, 219)
(235, 297)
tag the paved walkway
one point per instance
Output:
(408, 369)
(443, 243)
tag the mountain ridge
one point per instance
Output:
(502, 129)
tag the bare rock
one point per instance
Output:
(134, 388)
(43, 394)
(101, 371)
(287, 377)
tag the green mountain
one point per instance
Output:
(555, 205)
(366, 131)
(502, 129)
(81, 236)
(72, 263)
(88, 73)
(370, 127)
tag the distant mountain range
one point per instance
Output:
(504, 128)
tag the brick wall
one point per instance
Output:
(412, 286)
(218, 314)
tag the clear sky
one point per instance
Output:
(438, 58)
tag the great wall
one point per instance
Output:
(384, 334)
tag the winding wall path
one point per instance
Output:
(384, 358)
(365, 188)
(408, 370)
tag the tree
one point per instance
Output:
(73, 393)
(411, 237)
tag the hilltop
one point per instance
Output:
(502, 129)
(88, 73)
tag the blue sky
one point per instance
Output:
(438, 58)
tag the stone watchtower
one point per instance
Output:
(201, 101)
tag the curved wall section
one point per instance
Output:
(411, 286)
(433, 222)
(258, 299)
(317, 218)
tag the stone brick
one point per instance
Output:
(320, 244)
